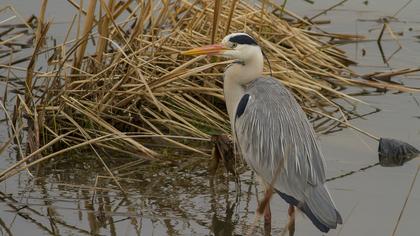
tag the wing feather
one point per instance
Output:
(273, 131)
(278, 142)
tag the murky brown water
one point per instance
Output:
(184, 200)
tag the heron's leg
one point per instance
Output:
(291, 223)
(267, 215)
(265, 206)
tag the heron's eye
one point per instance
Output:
(234, 45)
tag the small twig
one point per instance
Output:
(283, 7)
(381, 34)
(352, 172)
(328, 9)
(345, 123)
(406, 200)
(402, 8)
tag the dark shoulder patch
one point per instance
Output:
(242, 105)
(239, 62)
(243, 39)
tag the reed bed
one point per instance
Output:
(121, 85)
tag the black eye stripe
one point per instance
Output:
(243, 39)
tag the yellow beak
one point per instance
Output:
(206, 50)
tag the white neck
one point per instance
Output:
(237, 76)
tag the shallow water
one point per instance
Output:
(184, 200)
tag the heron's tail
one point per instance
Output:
(320, 209)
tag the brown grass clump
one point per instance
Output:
(121, 84)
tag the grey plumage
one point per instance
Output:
(273, 132)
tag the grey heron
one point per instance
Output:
(273, 133)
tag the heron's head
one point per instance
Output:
(240, 46)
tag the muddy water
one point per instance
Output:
(184, 200)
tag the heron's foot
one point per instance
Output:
(291, 223)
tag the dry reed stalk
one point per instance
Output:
(90, 16)
(216, 13)
(33, 122)
(229, 21)
(39, 38)
(103, 29)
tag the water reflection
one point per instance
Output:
(171, 201)
(178, 199)
(222, 224)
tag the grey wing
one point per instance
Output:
(273, 131)
(274, 135)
